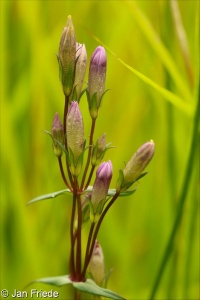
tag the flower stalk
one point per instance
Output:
(89, 203)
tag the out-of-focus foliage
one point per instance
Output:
(35, 239)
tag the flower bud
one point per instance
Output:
(96, 264)
(138, 162)
(67, 57)
(57, 135)
(99, 150)
(100, 190)
(96, 80)
(81, 56)
(75, 134)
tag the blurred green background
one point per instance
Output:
(135, 232)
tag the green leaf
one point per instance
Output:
(142, 175)
(89, 286)
(57, 280)
(120, 180)
(49, 196)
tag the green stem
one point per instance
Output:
(181, 202)
(89, 152)
(88, 258)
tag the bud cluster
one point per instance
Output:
(89, 202)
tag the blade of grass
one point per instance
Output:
(182, 39)
(175, 100)
(184, 190)
(160, 49)
(191, 242)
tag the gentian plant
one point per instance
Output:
(90, 203)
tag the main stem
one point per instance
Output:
(72, 239)
(78, 250)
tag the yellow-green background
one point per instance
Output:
(134, 234)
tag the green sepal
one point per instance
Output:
(95, 215)
(95, 161)
(68, 79)
(60, 68)
(79, 163)
(64, 149)
(142, 175)
(57, 146)
(120, 180)
(81, 94)
(129, 184)
(92, 103)
(71, 160)
(74, 94)
(100, 101)
(100, 207)
(85, 218)
(94, 154)
(99, 159)
(91, 210)
(49, 133)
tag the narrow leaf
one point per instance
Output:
(49, 196)
(92, 288)
(57, 280)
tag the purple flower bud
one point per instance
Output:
(138, 162)
(96, 265)
(75, 130)
(57, 135)
(100, 188)
(81, 56)
(96, 80)
(67, 57)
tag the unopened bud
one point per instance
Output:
(96, 264)
(100, 190)
(67, 57)
(81, 56)
(75, 134)
(57, 135)
(96, 80)
(99, 150)
(138, 163)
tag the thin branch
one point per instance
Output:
(63, 174)
(96, 232)
(89, 152)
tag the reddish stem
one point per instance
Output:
(88, 258)
(89, 152)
